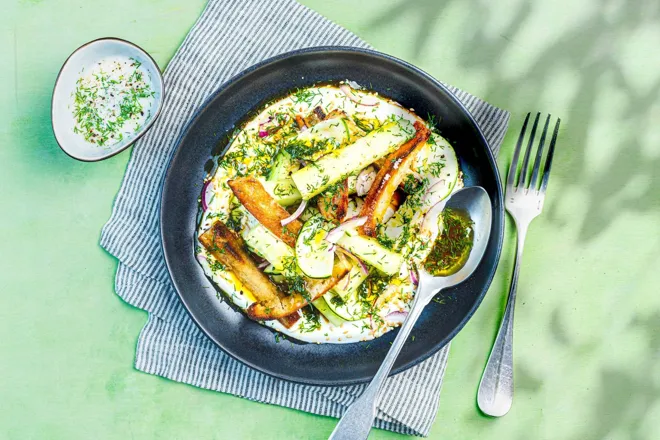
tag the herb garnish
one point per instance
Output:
(109, 104)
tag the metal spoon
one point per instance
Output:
(358, 418)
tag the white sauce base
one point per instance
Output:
(397, 297)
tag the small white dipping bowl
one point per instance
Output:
(83, 60)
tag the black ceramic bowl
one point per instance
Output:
(206, 137)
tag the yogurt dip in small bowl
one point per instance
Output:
(107, 95)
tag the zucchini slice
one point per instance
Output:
(349, 308)
(284, 191)
(270, 247)
(283, 166)
(323, 307)
(372, 252)
(355, 278)
(329, 169)
(313, 252)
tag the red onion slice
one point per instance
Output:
(206, 194)
(263, 132)
(348, 281)
(348, 91)
(201, 258)
(263, 264)
(296, 214)
(413, 277)
(365, 179)
(335, 234)
(398, 317)
(363, 267)
(430, 190)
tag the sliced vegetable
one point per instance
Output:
(284, 191)
(354, 278)
(361, 99)
(364, 181)
(354, 223)
(372, 252)
(396, 317)
(264, 243)
(333, 202)
(283, 166)
(358, 263)
(207, 194)
(229, 249)
(329, 169)
(350, 307)
(295, 301)
(299, 210)
(438, 161)
(314, 254)
(322, 306)
(252, 195)
(322, 136)
(354, 207)
(388, 179)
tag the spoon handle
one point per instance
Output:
(356, 422)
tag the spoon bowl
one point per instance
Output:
(358, 418)
(475, 202)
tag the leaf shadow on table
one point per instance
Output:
(626, 181)
(583, 49)
(623, 400)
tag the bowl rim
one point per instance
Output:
(144, 129)
(345, 49)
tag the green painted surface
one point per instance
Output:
(588, 316)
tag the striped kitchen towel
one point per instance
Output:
(226, 39)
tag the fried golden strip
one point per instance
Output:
(380, 163)
(289, 320)
(228, 248)
(336, 113)
(398, 197)
(300, 121)
(389, 177)
(316, 116)
(267, 310)
(334, 204)
(251, 193)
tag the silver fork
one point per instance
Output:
(524, 201)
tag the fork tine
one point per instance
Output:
(530, 143)
(548, 160)
(514, 162)
(533, 182)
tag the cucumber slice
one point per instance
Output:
(349, 308)
(308, 213)
(438, 163)
(329, 169)
(284, 191)
(313, 252)
(355, 277)
(372, 252)
(283, 166)
(264, 243)
(322, 306)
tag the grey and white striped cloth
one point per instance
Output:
(226, 39)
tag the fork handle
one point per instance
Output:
(495, 394)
